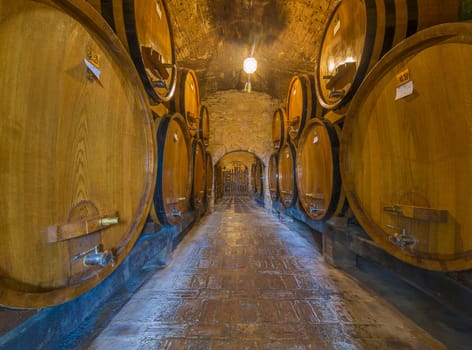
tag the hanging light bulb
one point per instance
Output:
(250, 65)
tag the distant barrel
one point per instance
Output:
(273, 176)
(287, 178)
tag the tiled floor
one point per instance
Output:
(242, 280)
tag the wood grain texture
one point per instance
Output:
(279, 128)
(287, 178)
(187, 100)
(204, 127)
(358, 33)
(302, 104)
(209, 176)
(415, 151)
(197, 198)
(174, 176)
(73, 147)
(317, 170)
(140, 25)
(273, 176)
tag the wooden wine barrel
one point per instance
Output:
(273, 176)
(258, 178)
(279, 128)
(406, 150)
(358, 33)
(174, 176)
(78, 154)
(287, 178)
(199, 181)
(204, 129)
(302, 104)
(209, 176)
(187, 99)
(145, 29)
(317, 168)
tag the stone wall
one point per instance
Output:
(242, 121)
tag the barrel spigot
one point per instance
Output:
(96, 256)
(403, 239)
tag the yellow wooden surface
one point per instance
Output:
(317, 170)
(187, 99)
(417, 150)
(209, 175)
(358, 33)
(204, 128)
(199, 179)
(272, 174)
(73, 146)
(286, 171)
(174, 178)
(279, 128)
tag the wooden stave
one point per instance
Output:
(204, 125)
(306, 104)
(272, 176)
(187, 104)
(121, 15)
(413, 46)
(333, 192)
(287, 189)
(279, 128)
(85, 20)
(209, 176)
(163, 210)
(197, 198)
(389, 28)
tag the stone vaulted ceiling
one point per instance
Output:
(213, 37)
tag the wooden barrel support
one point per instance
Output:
(78, 152)
(273, 176)
(406, 150)
(287, 178)
(317, 168)
(174, 176)
(358, 33)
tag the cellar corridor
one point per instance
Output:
(242, 279)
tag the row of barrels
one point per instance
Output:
(401, 144)
(85, 160)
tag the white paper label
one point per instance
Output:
(404, 90)
(95, 71)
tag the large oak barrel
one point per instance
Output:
(279, 128)
(287, 178)
(302, 104)
(145, 29)
(204, 128)
(406, 150)
(187, 99)
(358, 33)
(78, 153)
(199, 181)
(174, 176)
(273, 175)
(209, 176)
(317, 169)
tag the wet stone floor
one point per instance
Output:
(241, 279)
